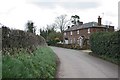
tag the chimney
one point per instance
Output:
(99, 21)
(68, 27)
(80, 23)
(72, 25)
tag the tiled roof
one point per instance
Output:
(86, 25)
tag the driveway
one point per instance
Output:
(77, 64)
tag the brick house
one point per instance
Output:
(76, 34)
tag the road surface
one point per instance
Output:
(77, 64)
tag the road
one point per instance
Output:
(77, 64)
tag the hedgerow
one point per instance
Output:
(106, 44)
(26, 55)
(20, 39)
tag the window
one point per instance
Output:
(70, 32)
(77, 41)
(66, 38)
(88, 30)
(71, 41)
(77, 31)
(74, 40)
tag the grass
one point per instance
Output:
(39, 64)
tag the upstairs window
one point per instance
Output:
(71, 41)
(70, 32)
(88, 30)
(77, 31)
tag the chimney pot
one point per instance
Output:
(99, 21)
(68, 27)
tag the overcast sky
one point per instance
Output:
(15, 13)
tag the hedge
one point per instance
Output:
(20, 39)
(106, 44)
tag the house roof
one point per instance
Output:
(86, 25)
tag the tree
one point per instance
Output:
(46, 31)
(51, 35)
(61, 22)
(30, 27)
(51, 28)
(75, 19)
(54, 37)
(43, 33)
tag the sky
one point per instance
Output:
(16, 13)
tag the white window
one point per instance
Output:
(65, 33)
(77, 41)
(70, 32)
(74, 40)
(77, 31)
(88, 30)
(71, 41)
(66, 41)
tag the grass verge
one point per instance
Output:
(39, 64)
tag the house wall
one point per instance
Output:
(82, 32)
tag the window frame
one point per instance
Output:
(71, 33)
(78, 32)
(88, 30)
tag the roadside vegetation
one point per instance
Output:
(106, 45)
(39, 64)
(26, 55)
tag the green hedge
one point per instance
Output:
(106, 44)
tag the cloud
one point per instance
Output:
(111, 14)
(48, 5)
(80, 5)
(66, 5)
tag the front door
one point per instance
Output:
(81, 41)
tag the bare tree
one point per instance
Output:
(61, 22)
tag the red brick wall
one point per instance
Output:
(82, 32)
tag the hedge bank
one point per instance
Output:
(20, 39)
(26, 55)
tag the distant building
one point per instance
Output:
(76, 34)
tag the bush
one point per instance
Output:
(39, 64)
(106, 44)
(20, 39)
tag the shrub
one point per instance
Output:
(106, 44)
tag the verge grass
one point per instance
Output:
(39, 64)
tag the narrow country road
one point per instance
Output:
(77, 64)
